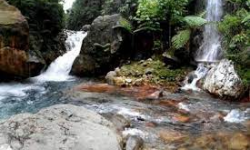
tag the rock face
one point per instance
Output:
(61, 127)
(14, 43)
(106, 44)
(222, 80)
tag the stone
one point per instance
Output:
(239, 142)
(15, 58)
(105, 46)
(171, 136)
(119, 121)
(66, 127)
(223, 81)
(110, 77)
(86, 28)
(134, 143)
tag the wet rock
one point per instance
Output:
(119, 121)
(181, 118)
(239, 142)
(14, 44)
(86, 28)
(134, 143)
(105, 46)
(223, 81)
(110, 77)
(98, 88)
(156, 95)
(171, 136)
(60, 48)
(59, 127)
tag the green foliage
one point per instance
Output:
(159, 72)
(126, 8)
(83, 12)
(151, 12)
(126, 24)
(235, 28)
(181, 39)
(46, 20)
(194, 21)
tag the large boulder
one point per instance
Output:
(14, 43)
(223, 81)
(106, 45)
(60, 127)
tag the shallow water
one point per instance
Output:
(31, 96)
(177, 118)
(163, 124)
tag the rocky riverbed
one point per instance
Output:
(145, 116)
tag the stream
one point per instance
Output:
(176, 120)
(182, 120)
(192, 120)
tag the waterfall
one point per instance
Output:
(67, 4)
(210, 50)
(60, 68)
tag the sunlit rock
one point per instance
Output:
(223, 81)
(66, 127)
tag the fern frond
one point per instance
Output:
(181, 39)
(194, 21)
(246, 19)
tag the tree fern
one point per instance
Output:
(181, 39)
(246, 19)
(194, 21)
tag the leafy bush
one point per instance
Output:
(83, 12)
(151, 12)
(235, 28)
(183, 36)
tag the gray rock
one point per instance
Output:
(222, 80)
(86, 28)
(61, 127)
(110, 77)
(105, 46)
(134, 143)
(119, 121)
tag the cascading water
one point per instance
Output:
(210, 51)
(67, 4)
(60, 68)
(36, 93)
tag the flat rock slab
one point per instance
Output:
(60, 127)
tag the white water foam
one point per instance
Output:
(60, 68)
(67, 4)
(199, 73)
(17, 90)
(133, 131)
(210, 50)
(183, 106)
(237, 116)
(5, 147)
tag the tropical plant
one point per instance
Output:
(151, 13)
(183, 36)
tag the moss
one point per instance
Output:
(154, 71)
(125, 24)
